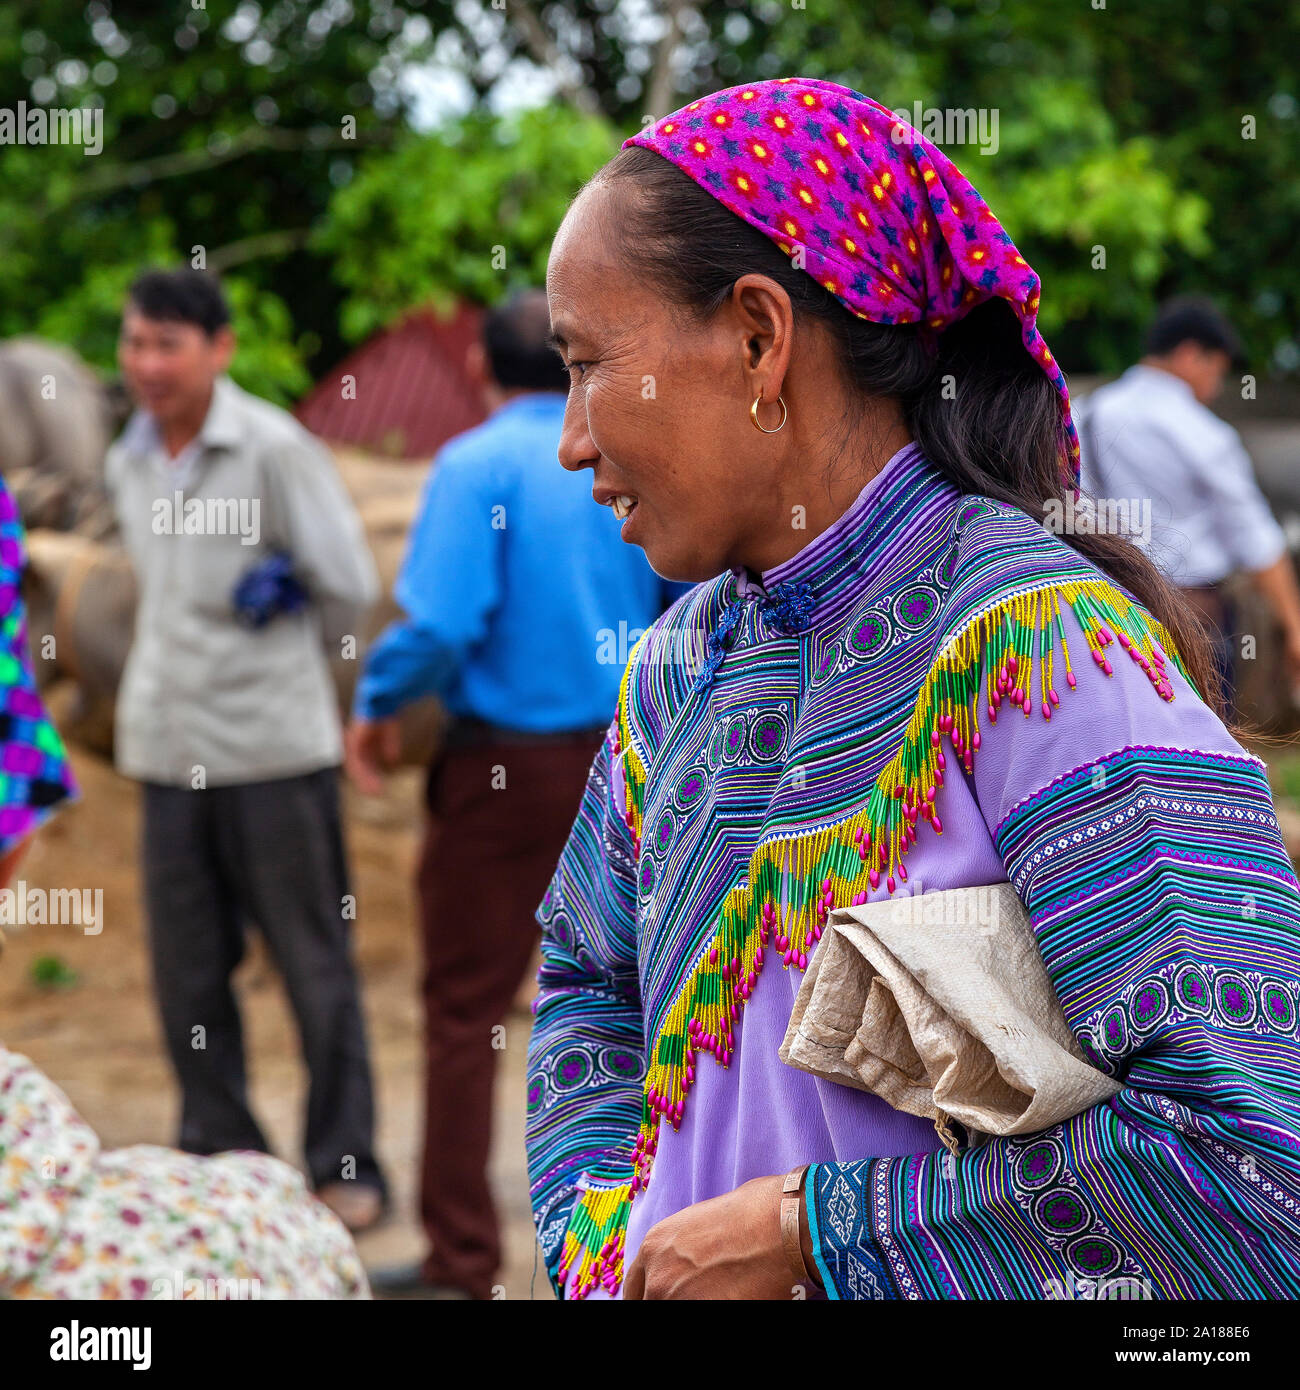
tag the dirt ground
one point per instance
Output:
(98, 1037)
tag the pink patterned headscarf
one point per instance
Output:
(883, 218)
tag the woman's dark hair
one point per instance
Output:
(996, 432)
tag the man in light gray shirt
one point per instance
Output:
(252, 565)
(1150, 437)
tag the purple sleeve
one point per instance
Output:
(1143, 840)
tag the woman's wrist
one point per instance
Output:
(796, 1230)
(805, 1233)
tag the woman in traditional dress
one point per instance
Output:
(78, 1221)
(805, 369)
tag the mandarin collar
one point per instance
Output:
(867, 517)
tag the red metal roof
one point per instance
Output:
(411, 393)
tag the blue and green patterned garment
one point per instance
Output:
(34, 771)
(935, 693)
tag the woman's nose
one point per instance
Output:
(577, 448)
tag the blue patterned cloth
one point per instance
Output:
(967, 701)
(267, 590)
(1175, 956)
(35, 775)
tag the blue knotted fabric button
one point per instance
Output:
(719, 643)
(788, 607)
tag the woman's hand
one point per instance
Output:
(728, 1247)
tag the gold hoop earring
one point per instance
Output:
(753, 414)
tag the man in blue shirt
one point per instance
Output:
(522, 603)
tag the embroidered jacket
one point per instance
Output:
(937, 692)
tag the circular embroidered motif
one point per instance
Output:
(1279, 1007)
(713, 755)
(972, 509)
(826, 667)
(560, 931)
(948, 568)
(1237, 1002)
(614, 1061)
(733, 741)
(1149, 1005)
(1096, 1055)
(536, 1094)
(572, 1069)
(690, 788)
(1114, 1031)
(1062, 1212)
(1039, 1164)
(767, 737)
(665, 829)
(647, 880)
(1094, 1255)
(916, 607)
(868, 634)
(1192, 990)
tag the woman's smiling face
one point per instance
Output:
(657, 404)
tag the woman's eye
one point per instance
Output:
(577, 366)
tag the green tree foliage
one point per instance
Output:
(1121, 126)
(468, 212)
(223, 129)
(1163, 132)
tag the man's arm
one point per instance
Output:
(1251, 534)
(449, 587)
(324, 536)
(1277, 583)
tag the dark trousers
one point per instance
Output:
(489, 853)
(271, 853)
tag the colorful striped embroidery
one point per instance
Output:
(1174, 955)
(794, 882)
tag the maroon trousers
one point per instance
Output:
(499, 815)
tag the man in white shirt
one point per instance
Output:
(230, 723)
(1150, 436)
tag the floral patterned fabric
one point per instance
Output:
(79, 1222)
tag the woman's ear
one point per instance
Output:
(766, 320)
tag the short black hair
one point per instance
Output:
(516, 336)
(1192, 318)
(180, 296)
